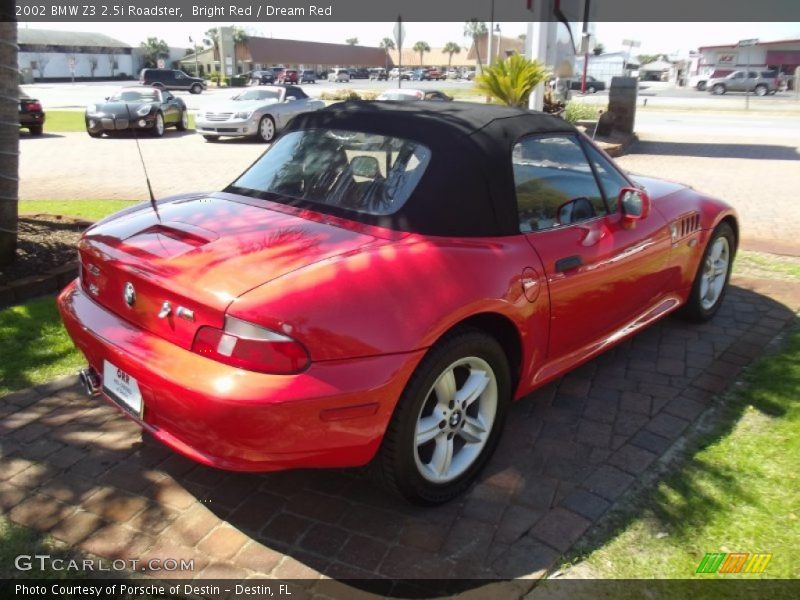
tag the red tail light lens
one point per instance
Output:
(251, 347)
(34, 107)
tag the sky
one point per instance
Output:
(654, 37)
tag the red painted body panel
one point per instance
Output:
(236, 419)
(366, 302)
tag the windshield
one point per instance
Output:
(259, 95)
(401, 96)
(146, 95)
(355, 171)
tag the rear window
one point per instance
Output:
(355, 171)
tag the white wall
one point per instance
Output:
(58, 64)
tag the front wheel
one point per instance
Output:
(158, 125)
(711, 281)
(94, 134)
(761, 90)
(266, 129)
(718, 89)
(211, 138)
(196, 88)
(448, 420)
(701, 86)
(590, 90)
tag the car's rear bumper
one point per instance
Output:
(31, 119)
(332, 415)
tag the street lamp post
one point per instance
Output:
(747, 44)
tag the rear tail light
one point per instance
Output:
(33, 107)
(247, 346)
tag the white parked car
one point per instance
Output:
(339, 75)
(256, 112)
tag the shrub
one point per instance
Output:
(577, 111)
(339, 95)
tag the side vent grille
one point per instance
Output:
(685, 226)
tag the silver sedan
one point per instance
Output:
(257, 112)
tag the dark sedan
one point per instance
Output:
(31, 115)
(261, 78)
(592, 85)
(136, 108)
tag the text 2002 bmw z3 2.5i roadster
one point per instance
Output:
(380, 285)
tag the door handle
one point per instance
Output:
(570, 262)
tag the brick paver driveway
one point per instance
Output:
(76, 468)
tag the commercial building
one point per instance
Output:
(258, 53)
(782, 56)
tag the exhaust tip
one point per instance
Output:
(90, 381)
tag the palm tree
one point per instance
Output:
(153, 49)
(240, 37)
(387, 44)
(351, 41)
(9, 136)
(475, 29)
(422, 48)
(212, 39)
(451, 48)
(512, 80)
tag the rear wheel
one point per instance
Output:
(761, 90)
(590, 90)
(183, 124)
(711, 281)
(196, 88)
(35, 129)
(718, 89)
(448, 420)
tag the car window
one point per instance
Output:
(258, 95)
(738, 75)
(143, 95)
(554, 183)
(611, 180)
(752, 75)
(365, 173)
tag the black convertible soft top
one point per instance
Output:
(468, 187)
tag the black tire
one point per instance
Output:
(701, 86)
(718, 89)
(196, 88)
(399, 464)
(183, 123)
(266, 129)
(35, 129)
(159, 126)
(590, 90)
(761, 90)
(211, 138)
(695, 309)
(95, 134)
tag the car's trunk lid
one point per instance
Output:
(202, 254)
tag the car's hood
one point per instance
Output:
(120, 107)
(239, 105)
(658, 188)
(202, 254)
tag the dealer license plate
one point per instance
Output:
(122, 388)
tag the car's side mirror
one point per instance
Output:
(634, 205)
(290, 98)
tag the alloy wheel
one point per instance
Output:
(455, 421)
(715, 272)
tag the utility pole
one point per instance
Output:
(747, 44)
(585, 44)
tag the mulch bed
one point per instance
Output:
(45, 242)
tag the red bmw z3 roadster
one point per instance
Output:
(379, 286)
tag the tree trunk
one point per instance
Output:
(9, 137)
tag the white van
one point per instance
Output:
(339, 75)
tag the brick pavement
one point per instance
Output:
(75, 468)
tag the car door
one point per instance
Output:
(738, 82)
(170, 107)
(601, 276)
